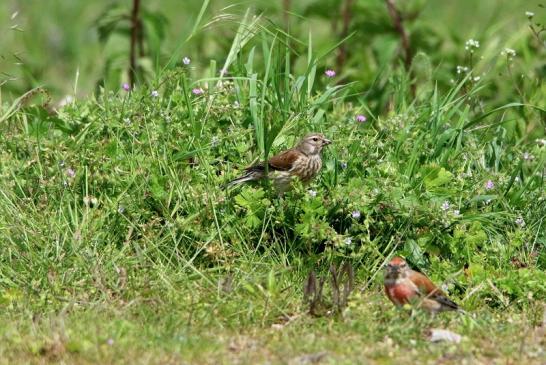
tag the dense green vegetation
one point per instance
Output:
(120, 245)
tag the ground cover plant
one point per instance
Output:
(121, 244)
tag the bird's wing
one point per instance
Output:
(431, 291)
(425, 286)
(282, 162)
(285, 160)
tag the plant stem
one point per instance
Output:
(135, 25)
(342, 52)
(285, 11)
(399, 26)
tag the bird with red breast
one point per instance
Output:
(302, 161)
(406, 286)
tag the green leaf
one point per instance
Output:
(434, 177)
(414, 252)
(108, 21)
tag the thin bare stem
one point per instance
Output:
(135, 28)
(399, 27)
(286, 5)
(536, 32)
(346, 15)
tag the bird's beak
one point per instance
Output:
(326, 142)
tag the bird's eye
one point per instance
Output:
(315, 139)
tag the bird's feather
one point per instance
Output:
(446, 302)
(281, 162)
(251, 175)
(426, 287)
(431, 291)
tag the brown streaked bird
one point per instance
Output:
(302, 161)
(406, 286)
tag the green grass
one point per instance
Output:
(119, 244)
(214, 327)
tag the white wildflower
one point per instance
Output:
(462, 69)
(68, 99)
(527, 156)
(508, 52)
(471, 44)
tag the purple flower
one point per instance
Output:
(70, 172)
(456, 213)
(197, 91)
(520, 222)
(348, 241)
(126, 87)
(361, 118)
(186, 60)
(355, 214)
(330, 73)
(110, 341)
(489, 185)
(445, 205)
(154, 93)
(313, 193)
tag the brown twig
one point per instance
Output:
(346, 15)
(135, 28)
(536, 33)
(399, 27)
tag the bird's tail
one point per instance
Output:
(447, 303)
(249, 176)
(451, 305)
